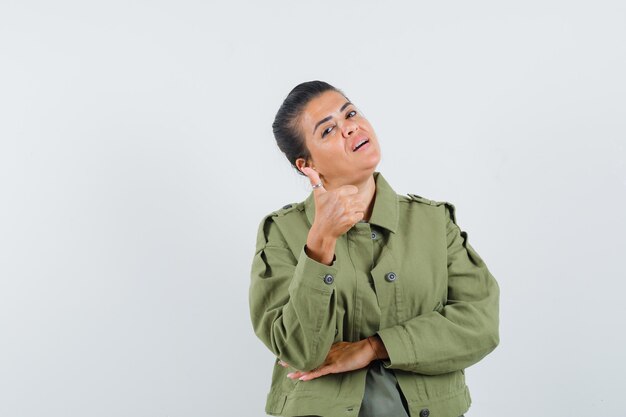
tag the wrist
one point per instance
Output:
(320, 247)
(320, 237)
(378, 348)
(374, 355)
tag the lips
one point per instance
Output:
(358, 142)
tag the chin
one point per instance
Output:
(375, 161)
(370, 169)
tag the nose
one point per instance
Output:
(349, 127)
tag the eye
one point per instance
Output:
(327, 130)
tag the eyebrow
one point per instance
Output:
(327, 118)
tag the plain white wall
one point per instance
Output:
(137, 160)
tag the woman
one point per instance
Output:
(373, 303)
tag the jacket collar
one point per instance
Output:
(385, 211)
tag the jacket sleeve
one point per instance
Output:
(292, 306)
(462, 332)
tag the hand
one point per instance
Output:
(342, 357)
(335, 211)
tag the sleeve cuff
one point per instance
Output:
(399, 349)
(313, 274)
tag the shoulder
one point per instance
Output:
(272, 222)
(285, 210)
(447, 206)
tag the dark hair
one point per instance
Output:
(289, 137)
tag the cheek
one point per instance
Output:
(366, 124)
(323, 152)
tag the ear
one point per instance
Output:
(301, 163)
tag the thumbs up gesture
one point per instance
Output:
(336, 211)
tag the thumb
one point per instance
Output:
(314, 178)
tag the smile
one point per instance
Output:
(360, 144)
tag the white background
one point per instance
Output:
(137, 160)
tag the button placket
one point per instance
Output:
(360, 247)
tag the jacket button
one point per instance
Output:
(328, 279)
(425, 412)
(391, 276)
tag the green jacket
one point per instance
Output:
(430, 298)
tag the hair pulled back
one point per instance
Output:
(287, 133)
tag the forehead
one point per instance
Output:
(326, 104)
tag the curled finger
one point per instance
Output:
(295, 375)
(322, 370)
